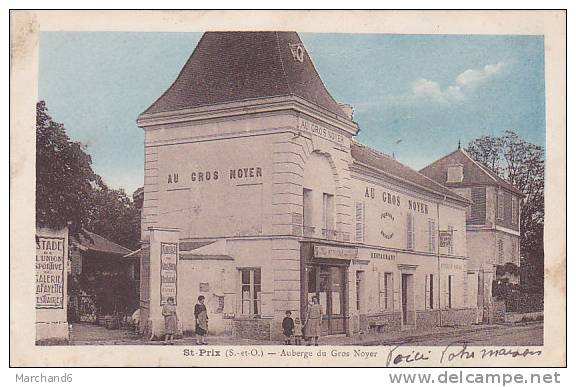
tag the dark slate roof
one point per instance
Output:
(474, 172)
(395, 169)
(94, 242)
(238, 66)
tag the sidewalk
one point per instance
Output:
(85, 334)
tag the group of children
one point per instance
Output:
(292, 329)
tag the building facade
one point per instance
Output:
(257, 196)
(492, 221)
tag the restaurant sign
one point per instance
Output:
(50, 266)
(335, 252)
(168, 272)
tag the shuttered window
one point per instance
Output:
(500, 251)
(359, 222)
(478, 207)
(451, 243)
(514, 210)
(500, 205)
(431, 236)
(386, 291)
(409, 231)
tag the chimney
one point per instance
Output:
(348, 110)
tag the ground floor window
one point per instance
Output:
(251, 290)
(386, 292)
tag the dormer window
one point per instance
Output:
(455, 174)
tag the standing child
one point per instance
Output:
(297, 331)
(170, 320)
(288, 327)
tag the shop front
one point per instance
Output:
(325, 270)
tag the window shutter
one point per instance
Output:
(500, 251)
(359, 222)
(451, 244)
(431, 236)
(427, 292)
(409, 232)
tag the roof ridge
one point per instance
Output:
(453, 194)
(479, 165)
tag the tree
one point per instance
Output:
(522, 165)
(64, 176)
(68, 192)
(114, 216)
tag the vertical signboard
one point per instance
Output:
(50, 267)
(168, 272)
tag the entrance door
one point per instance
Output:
(407, 300)
(327, 282)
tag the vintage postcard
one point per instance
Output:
(288, 188)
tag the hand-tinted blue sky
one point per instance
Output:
(413, 95)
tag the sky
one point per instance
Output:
(414, 96)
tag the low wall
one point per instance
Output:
(519, 317)
(464, 316)
(385, 322)
(427, 319)
(253, 329)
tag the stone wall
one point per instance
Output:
(252, 329)
(385, 322)
(464, 316)
(427, 319)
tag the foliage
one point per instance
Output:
(522, 165)
(509, 268)
(519, 298)
(64, 176)
(68, 192)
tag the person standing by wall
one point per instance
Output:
(170, 320)
(201, 315)
(288, 327)
(313, 320)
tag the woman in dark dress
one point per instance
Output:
(201, 315)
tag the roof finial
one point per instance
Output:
(458, 143)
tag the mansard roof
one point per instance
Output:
(242, 66)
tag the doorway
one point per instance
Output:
(407, 297)
(328, 283)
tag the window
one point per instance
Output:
(307, 212)
(450, 281)
(386, 291)
(455, 174)
(500, 251)
(429, 291)
(515, 254)
(251, 292)
(478, 207)
(328, 215)
(500, 205)
(514, 210)
(431, 236)
(359, 222)
(409, 231)
(451, 240)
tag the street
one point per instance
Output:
(520, 334)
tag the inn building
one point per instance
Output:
(258, 197)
